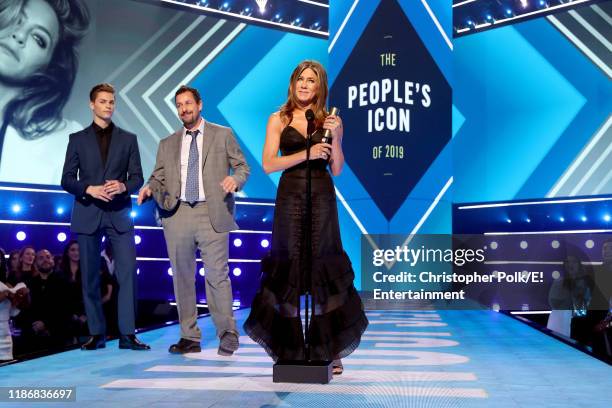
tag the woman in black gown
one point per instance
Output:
(339, 319)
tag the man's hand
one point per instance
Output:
(114, 187)
(144, 194)
(99, 193)
(229, 185)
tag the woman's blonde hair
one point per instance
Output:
(286, 111)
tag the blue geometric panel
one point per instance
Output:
(388, 154)
(418, 208)
(517, 105)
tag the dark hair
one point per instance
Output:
(105, 87)
(66, 258)
(38, 108)
(185, 88)
(286, 111)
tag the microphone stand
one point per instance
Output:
(306, 371)
(307, 281)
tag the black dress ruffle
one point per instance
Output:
(339, 320)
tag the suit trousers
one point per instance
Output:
(124, 254)
(187, 230)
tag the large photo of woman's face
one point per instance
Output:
(39, 42)
(53, 51)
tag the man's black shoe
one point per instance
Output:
(185, 346)
(95, 342)
(228, 344)
(130, 341)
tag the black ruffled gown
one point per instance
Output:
(339, 319)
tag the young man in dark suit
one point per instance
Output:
(102, 168)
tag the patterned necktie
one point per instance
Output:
(192, 190)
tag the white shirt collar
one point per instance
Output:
(200, 127)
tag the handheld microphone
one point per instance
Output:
(327, 135)
(310, 117)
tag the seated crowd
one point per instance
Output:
(41, 300)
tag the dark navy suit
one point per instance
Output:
(93, 218)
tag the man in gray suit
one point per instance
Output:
(198, 169)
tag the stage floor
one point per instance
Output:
(420, 359)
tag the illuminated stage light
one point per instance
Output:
(137, 239)
(170, 271)
(265, 243)
(261, 4)
(524, 244)
(21, 236)
(524, 3)
(103, 239)
(237, 242)
(508, 220)
(133, 214)
(237, 271)
(508, 12)
(556, 275)
(60, 210)
(16, 208)
(138, 271)
(202, 272)
(494, 245)
(607, 218)
(562, 219)
(528, 220)
(589, 243)
(61, 237)
(555, 244)
(489, 17)
(584, 218)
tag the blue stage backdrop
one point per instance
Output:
(532, 107)
(390, 66)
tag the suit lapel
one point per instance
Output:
(209, 134)
(176, 145)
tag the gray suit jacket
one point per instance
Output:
(221, 157)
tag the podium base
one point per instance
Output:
(302, 372)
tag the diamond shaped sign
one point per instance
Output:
(396, 107)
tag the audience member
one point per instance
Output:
(11, 300)
(46, 323)
(26, 269)
(74, 298)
